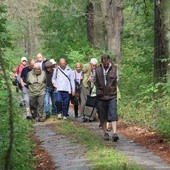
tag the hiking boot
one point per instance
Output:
(59, 116)
(106, 136)
(115, 137)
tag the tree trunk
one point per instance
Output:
(165, 15)
(90, 23)
(159, 50)
(113, 15)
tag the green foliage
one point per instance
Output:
(4, 34)
(142, 102)
(83, 56)
(22, 148)
(20, 156)
(64, 27)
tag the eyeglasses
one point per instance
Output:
(24, 61)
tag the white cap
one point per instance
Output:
(93, 61)
(53, 61)
(23, 59)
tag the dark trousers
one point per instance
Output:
(37, 106)
(62, 102)
(76, 110)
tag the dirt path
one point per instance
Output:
(68, 155)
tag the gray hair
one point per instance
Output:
(37, 65)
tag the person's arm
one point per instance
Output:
(72, 82)
(54, 77)
(16, 71)
(22, 82)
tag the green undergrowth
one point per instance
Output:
(149, 110)
(102, 154)
(21, 158)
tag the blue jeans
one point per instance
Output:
(49, 95)
(62, 102)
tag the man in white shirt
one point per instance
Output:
(63, 80)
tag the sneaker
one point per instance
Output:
(59, 116)
(106, 136)
(64, 118)
(115, 137)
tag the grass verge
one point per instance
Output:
(102, 154)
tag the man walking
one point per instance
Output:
(49, 91)
(105, 79)
(63, 80)
(23, 81)
(36, 81)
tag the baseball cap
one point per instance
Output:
(23, 59)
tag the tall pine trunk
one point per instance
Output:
(165, 15)
(113, 15)
(159, 50)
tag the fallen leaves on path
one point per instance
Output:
(147, 138)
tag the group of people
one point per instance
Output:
(46, 86)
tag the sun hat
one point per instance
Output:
(53, 61)
(93, 61)
(23, 59)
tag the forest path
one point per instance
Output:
(68, 155)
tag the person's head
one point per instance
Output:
(78, 67)
(48, 66)
(39, 57)
(86, 68)
(105, 59)
(31, 64)
(63, 63)
(24, 61)
(54, 63)
(93, 63)
(37, 68)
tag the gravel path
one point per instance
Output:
(134, 152)
(68, 155)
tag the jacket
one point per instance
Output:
(61, 82)
(106, 86)
(36, 83)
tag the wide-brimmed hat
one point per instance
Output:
(53, 61)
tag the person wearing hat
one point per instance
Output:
(36, 81)
(20, 67)
(49, 90)
(17, 76)
(90, 112)
(54, 63)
